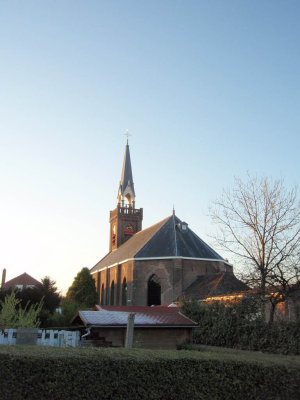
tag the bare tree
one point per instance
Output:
(259, 223)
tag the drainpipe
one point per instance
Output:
(86, 334)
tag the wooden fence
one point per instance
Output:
(45, 338)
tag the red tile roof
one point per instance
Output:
(24, 280)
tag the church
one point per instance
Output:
(158, 265)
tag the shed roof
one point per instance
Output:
(145, 309)
(143, 318)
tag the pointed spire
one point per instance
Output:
(126, 188)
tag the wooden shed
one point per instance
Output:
(160, 327)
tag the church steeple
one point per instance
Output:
(126, 188)
(125, 220)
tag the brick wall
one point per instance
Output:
(175, 276)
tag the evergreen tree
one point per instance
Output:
(83, 289)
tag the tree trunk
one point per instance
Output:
(272, 313)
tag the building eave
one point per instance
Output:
(162, 258)
(143, 326)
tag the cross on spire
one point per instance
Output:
(127, 134)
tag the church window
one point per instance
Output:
(124, 292)
(102, 295)
(112, 293)
(154, 291)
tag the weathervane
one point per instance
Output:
(127, 134)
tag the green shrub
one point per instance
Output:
(45, 373)
(240, 325)
(14, 316)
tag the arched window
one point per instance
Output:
(124, 293)
(112, 293)
(102, 295)
(154, 291)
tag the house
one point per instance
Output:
(159, 327)
(151, 266)
(23, 281)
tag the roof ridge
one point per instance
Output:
(151, 226)
(175, 236)
(215, 284)
(207, 245)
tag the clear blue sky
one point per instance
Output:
(208, 89)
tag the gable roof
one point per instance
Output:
(217, 284)
(162, 240)
(145, 317)
(23, 279)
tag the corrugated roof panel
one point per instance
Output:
(120, 318)
(145, 309)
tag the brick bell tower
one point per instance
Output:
(125, 220)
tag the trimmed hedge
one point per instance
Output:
(52, 373)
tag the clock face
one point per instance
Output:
(129, 230)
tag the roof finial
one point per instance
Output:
(127, 134)
(173, 209)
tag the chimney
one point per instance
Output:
(3, 277)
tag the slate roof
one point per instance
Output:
(217, 284)
(23, 279)
(143, 318)
(164, 239)
(126, 177)
(129, 248)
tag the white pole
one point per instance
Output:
(129, 330)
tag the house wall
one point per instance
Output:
(114, 335)
(161, 338)
(148, 338)
(288, 310)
